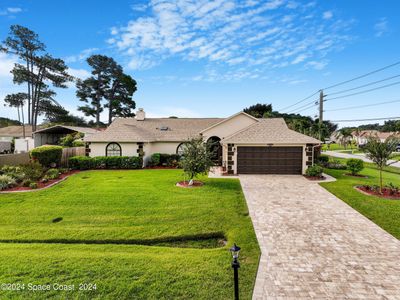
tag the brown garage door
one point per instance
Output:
(269, 160)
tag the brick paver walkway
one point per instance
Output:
(316, 246)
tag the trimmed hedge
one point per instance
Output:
(163, 159)
(105, 162)
(47, 155)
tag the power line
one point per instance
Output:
(302, 100)
(306, 108)
(366, 91)
(307, 104)
(364, 85)
(361, 106)
(376, 119)
(362, 76)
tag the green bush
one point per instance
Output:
(105, 162)
(355, 165)
(323, 160)
(52, 173)
(33, 185)
(26, 182)
(6, 181)
(155, 159)
(163, 159)
(33, 171)
(314, 171)
(48, 156)
(78, 143)
(80, 162)
(15, 172)
(336, 164)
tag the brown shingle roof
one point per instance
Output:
(149, 130)
(269, 131)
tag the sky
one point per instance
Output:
(195, 58)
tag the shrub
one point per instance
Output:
(70, 139)
(6, 181)
(13, 171)
(105, 162)
(33, 185)
(78, 143)
(26, 182)
(155, 159)
(314, 171)
(52, 173)
(47, 155)
(196, 158)
(33, 171)
(80, 162)
(355, 165)
(336, 164)
(323, 160)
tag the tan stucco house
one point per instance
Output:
(247, 145)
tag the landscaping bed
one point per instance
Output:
(185, 184)
(387, 193)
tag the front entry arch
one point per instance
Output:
(214, 144)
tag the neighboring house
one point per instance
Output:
(52, 135)
(361, 137)
(246, 144)
(16, 132)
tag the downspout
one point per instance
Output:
(312, 153)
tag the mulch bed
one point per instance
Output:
(185, 184)
(386, 192)
(315, 177)
(356, 175)
(161, 168)
(42, 185)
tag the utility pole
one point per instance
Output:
(321, 112)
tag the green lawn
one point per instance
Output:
(335, 147)
(385, 213)
(164, 223)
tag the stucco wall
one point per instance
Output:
(160, 147)
(229, 127)
(99, 149)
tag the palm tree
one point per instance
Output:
(344, 136)
(380, 153)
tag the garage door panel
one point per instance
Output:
(270, 160)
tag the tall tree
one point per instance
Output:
(107, 83)
(24, 43)
(38, 71)
(18, 101)
(259, 110)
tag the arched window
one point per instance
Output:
(113, 149)
(180, 148)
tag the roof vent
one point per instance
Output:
(164, 128)
(140, 115)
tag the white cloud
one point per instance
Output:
(10, 11)
(327, 15)
(6, 64)
(81, 56)
(140, 7)
(381, 27)
(79, 73)
(233, 33)
(317, 65)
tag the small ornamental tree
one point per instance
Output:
(196, 158)
(380, 153)
(355, 165)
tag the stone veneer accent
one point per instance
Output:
(231, 162)
(309, 149)
(87, 149)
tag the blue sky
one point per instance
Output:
(213, 58)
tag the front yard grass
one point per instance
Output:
(161, 223)
(383, 212)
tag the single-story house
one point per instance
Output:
(247, 145)
(52, 135)
(361, 137)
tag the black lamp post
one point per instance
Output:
(235, 265)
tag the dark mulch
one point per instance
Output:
(185, 184)
(42, 184)
(387, 193)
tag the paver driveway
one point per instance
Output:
(316, 246)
